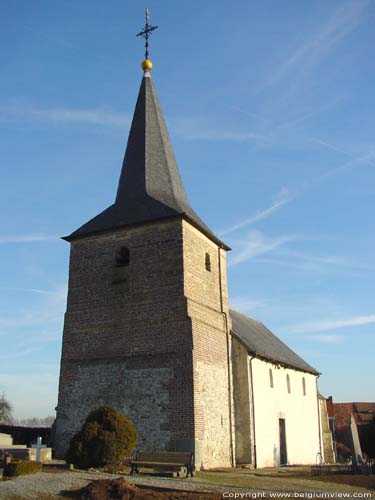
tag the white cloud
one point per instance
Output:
(192, 128)
(47, 315)
(321, 326)
(222, 135)
(27, 290)
(244, 304)
(103, 116)
(361, 159)
(308, 55)
(15, 355)
(282, 198)
(27, 238)
(201, 128)
(320, 262)
(257, 244)
(327, 339)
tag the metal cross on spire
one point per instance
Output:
(146, 32)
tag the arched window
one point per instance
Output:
(122, 257)
(208, 262)
(304, 386)
(288, 383)
(271, 378)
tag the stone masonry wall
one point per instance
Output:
(127, 337)
(207, 295)
(150, 339)
(327, 441)
(242, 404)
(136, 393)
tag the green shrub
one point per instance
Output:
(106, 437)
(22, 468)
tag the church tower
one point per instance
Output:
(147, 322)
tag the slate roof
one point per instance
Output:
(150, 186)
(262, 342)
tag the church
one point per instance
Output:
(149, 331)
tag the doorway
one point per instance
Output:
(283, 453)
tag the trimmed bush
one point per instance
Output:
(21, 468)
(106, 438)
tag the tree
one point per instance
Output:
(106, 438)
(6, 410)
(35, 421)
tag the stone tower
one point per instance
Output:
(147, 323)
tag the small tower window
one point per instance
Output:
(288, 383)
(304, 386)
(208, 262)
(271, 378)
(122, 257)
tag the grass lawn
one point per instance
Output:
(288, 482)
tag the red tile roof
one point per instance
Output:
(363, 413)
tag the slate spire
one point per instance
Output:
(150, 186)
(149, 171)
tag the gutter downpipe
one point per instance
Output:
(253, 411)
(320, 430)
(228, 362)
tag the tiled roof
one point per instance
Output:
(262, 342)
(363, 412)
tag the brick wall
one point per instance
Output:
(149, 339)
(207, 296)
(127, 338)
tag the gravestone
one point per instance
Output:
(5, 440)
(15, 451)
(39, 446)
(38, 451)
(357, 458)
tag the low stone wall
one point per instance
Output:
(19, 452)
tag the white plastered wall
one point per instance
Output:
(300, 412)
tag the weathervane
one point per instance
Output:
(145, 33)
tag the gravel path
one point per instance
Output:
(45, 485)
(35, 486)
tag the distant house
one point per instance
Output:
(364, 415)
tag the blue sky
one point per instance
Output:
(270, 106)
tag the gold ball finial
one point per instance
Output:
(146, 65)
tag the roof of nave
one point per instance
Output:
(263, 343)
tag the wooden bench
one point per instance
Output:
(176, 461)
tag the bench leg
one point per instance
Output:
(190, 472)
(134, 470)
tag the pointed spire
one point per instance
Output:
(150, 186)
(149, 168)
